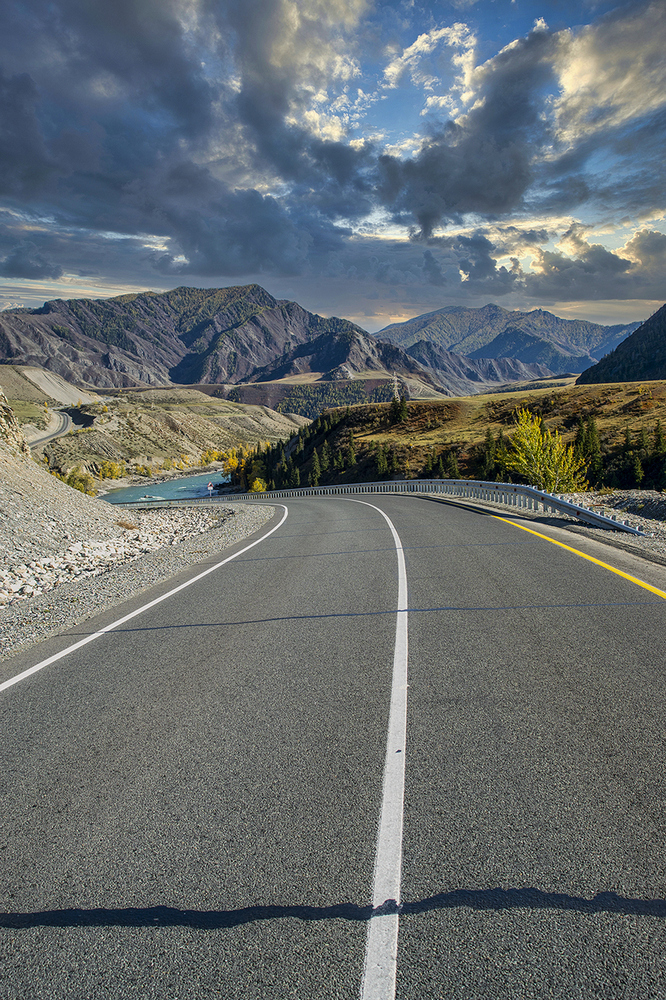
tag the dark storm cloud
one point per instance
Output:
(596, 273)
(96, 57)
(186, 123)
(112, 128)
(477, 263)
(240, 232)
(25, 261)
(465, 265)
(332, 176)
(432, 269)
(24, 159)
(484, 164)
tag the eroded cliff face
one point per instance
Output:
(11, 438)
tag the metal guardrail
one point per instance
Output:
(526, 497)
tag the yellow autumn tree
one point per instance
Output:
(542, 458)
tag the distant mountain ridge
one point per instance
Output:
(642, 356)
(536, 337)
(187, 335)
(226, 336)
(242, 335)
(458, 372)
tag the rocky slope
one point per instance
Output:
(164, 425)
(65, 556)
(347, 354)
(641, 356)
(39, 515)
(463, 376)
(11, 439)
(184, 336)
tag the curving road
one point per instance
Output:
(63, 426)
(191, 801)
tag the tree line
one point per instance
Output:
(329, 451)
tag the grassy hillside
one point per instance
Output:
(157, 430)
(617, 427)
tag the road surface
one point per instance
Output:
(190, 802)
(64, 423)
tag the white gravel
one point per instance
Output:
(49, 595)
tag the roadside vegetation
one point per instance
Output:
(561, 439)
(605, 436)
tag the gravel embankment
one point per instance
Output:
(65, 556)
(57, 592)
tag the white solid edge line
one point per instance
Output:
(138, 611)
(381, 948)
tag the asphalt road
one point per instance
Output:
(64, 425)
(190, 802)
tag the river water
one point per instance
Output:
(183, 488)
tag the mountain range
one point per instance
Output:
(241, 335)
(536, 337)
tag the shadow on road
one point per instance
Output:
(479, 899)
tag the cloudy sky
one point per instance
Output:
(370, 160)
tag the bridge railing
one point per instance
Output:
(525, 497)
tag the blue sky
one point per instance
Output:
(373, 161)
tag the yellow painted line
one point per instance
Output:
(583, 555)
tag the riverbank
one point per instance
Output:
(214, 472)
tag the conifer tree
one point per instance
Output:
(351, 450)
(452, 470)
(627, 440)
(592, 452)
(488, 452)
(403, 412)
(315, 472)
(639, 472)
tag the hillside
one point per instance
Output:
(619, 429)
(536, 337)
(184, 336)
(151, 429)
(157, 430)
(38, 513)
(464, 376)
(640, 356)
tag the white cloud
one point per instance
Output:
(442, 104)
(412, 59)
(612, 71)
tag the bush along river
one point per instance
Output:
(183, 488)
